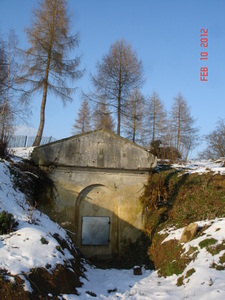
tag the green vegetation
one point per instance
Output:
(58, 248)
(180, 199)
(207, 242)
(222, 259)
(172, 268)
(33, 182)
(215, 249)
(174, 199)
(44, 241)
(190, 272)
(218, 267)
(180, 281)
(7, 223)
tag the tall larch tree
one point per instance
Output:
(134, 117)
(117, 75)
(83, 121)
(156, 122)
(184, 133)
(47, 65)
(102, 118)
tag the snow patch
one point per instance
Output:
(22, 250)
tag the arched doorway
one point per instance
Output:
(96, 221)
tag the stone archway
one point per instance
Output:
(96, 213)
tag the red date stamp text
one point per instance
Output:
(204, 54)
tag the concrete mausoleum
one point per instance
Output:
(98, 177)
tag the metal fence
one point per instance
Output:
(18, 141)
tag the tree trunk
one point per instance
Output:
(118, 116)
(37, 140)
(179, 125)
(3, 117)
(154, 121)
(119, 101)
(2, 133)
(3, 112)
(134, 124)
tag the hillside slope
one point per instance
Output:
(36, 255)
(38, 260)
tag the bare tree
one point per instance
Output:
(47, 66)
(83, 121)
(156, 121)
(183, 132)
(118, 74)
(134, 117)
(102, 118)
(9, 108)
(6, 116)
(3, 71)
(215, 142)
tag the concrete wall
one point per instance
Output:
(98, 193)
(107, 184)
(98, 149)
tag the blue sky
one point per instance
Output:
(165, 35)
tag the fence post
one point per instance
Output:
(25, 143)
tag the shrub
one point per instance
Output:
(7, 223)
(44, 241)
(164, 152)
(3, 147)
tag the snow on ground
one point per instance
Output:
(21, 152)
(205, 283)
(201, 167)
(23, 250)
(32, 245)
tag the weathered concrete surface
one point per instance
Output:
(107, 183)
(98, 149)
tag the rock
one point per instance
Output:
(188, 233)
(137, 270)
